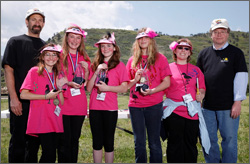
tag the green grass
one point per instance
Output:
(124, 142)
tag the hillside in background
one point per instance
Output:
(125, 39)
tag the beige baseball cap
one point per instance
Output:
(219, 23)
(34, 11)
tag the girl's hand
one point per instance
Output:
(200, 97)
(75, 85)
(84, 65)
(101, 66)
(138, 74)
(146, 92)
(52, 94)
(102, 87)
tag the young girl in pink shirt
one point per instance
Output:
(74, 110)
(108, 77)
(181, 124)
(149, 75)
(45, 118)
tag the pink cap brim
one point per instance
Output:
(103, 41)
(73, 31)
(50, 49)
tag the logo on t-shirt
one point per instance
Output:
(224, 60)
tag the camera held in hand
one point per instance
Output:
(143, 86)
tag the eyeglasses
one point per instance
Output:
(51, 55)
(185, 48)
(222, 32)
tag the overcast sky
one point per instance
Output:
(169, 17)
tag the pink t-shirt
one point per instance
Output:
(177, 88)
(116, 77)
(155, 75)
(74, 105)
(42, 118)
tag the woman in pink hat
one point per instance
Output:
(45, 118)
(149, 75)
(75, 64)
(108, 77)
(182, 110)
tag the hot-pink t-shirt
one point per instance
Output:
(74, 105)
(116, 77)
(42, 118)
(155, 76)
(177, 87)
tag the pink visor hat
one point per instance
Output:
(50, 48)
(77, 31)
(174, 44)
(110, 40)
(149, 32)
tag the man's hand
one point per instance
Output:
(236, 109)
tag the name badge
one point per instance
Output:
(187, 98)
(101, 96)
(57, 111)
(75, 92)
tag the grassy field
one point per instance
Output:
(124, 142)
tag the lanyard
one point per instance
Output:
(74, 65)
(144, 66)
(182, 77)
(51, 79)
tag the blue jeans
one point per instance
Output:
(147, 118)
(228, 128)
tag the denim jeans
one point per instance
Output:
(228, 128)
(147, 119)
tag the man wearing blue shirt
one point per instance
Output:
(226, 79)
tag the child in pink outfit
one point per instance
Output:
(45, 118)
(149, 75)
(108, 77)
(74, 63)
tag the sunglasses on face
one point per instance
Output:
(185, 48)
(76, 29)
(50, 55)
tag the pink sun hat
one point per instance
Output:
(110, 40)
(149, 32)
(77, 30)
(174, 44)
(57, 48)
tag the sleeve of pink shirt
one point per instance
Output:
(123, 73)
(128, 67)
(164, 66)
(28, 81)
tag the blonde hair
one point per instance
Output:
(137, 53)
(65, 49)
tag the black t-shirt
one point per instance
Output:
(219, 68)
(21, 54)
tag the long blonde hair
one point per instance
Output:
(137, 53)
(65, 49)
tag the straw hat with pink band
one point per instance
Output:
(56, 48)
(110, 40)
(149, 32)
(77, 30)
(174, 45)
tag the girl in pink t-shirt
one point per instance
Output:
(45, 118)
(108, 77)
(75, 64)
(149, 75)
(183, 129)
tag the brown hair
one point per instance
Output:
(137, 53)
(65, 49)
(41, 64)
(99, 58)
(186, 41)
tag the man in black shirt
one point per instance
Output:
(19, 56)
(226, 79)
